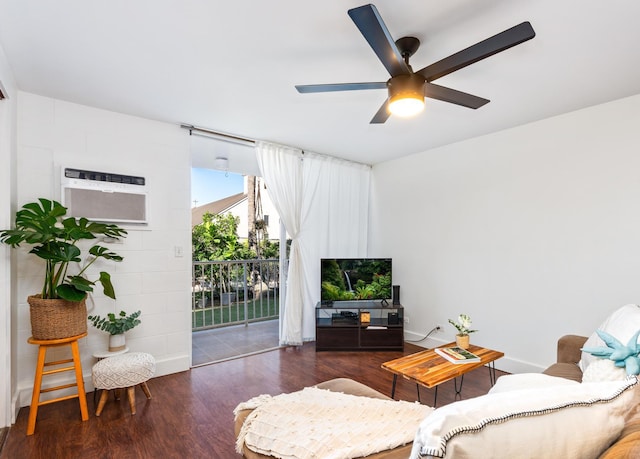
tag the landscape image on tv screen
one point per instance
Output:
(345, 279)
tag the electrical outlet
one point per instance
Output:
(406, 320)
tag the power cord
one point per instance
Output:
(434, 329)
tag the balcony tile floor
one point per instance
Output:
(226, 343)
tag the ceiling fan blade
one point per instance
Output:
(382, 114)
(307, 88)
(435, 91)
(500, 42)
(372, 27)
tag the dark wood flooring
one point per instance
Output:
(191, 413)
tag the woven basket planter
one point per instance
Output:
(462, 341)
(56, 319)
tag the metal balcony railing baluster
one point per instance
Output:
(232, 292)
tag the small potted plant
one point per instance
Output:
(116, 326)
(463, 325)
(59, 310)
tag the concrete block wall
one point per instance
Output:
(53, 134)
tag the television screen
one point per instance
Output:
(350, 279)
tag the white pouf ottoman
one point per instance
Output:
(120, 372)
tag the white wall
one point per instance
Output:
(533, 231)
(7, 190)
(54, 134)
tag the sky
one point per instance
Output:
(208, 185)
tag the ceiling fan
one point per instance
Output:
(407, 89)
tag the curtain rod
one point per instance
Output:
(220, 135)
(193, 130)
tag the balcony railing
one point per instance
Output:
(234, 292)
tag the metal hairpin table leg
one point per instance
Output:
(455, 384)
(492, 372)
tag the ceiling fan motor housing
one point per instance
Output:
(406, 88)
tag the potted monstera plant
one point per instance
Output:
(59, 310)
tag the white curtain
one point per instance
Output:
(324, 204)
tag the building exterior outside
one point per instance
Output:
(238, 206)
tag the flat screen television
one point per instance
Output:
(353, 279)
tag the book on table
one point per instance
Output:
(457, 355)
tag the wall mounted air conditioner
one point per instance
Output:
(104, 196)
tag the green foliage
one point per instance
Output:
(335, 293)
(116, 325)
(463, 325)
(382, 283)
(269, 249)
(54, 239)
(216, 238)
(332, 273)
(364, 292)
(335, 288)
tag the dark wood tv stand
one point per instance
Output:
(359, 326)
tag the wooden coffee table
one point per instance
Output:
(429, 369)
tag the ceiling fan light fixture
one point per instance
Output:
(407, 106)
(406, 95)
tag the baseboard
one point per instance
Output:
(15, 407)
(507, 364)
(24, 390)
(173, 365)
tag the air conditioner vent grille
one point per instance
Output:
(103, 176)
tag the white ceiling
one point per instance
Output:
(231, 66)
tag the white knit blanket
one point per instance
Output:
(318, 423)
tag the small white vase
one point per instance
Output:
(117, 342)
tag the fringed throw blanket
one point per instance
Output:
(318, 423)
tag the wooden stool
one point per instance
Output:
(45, 344)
